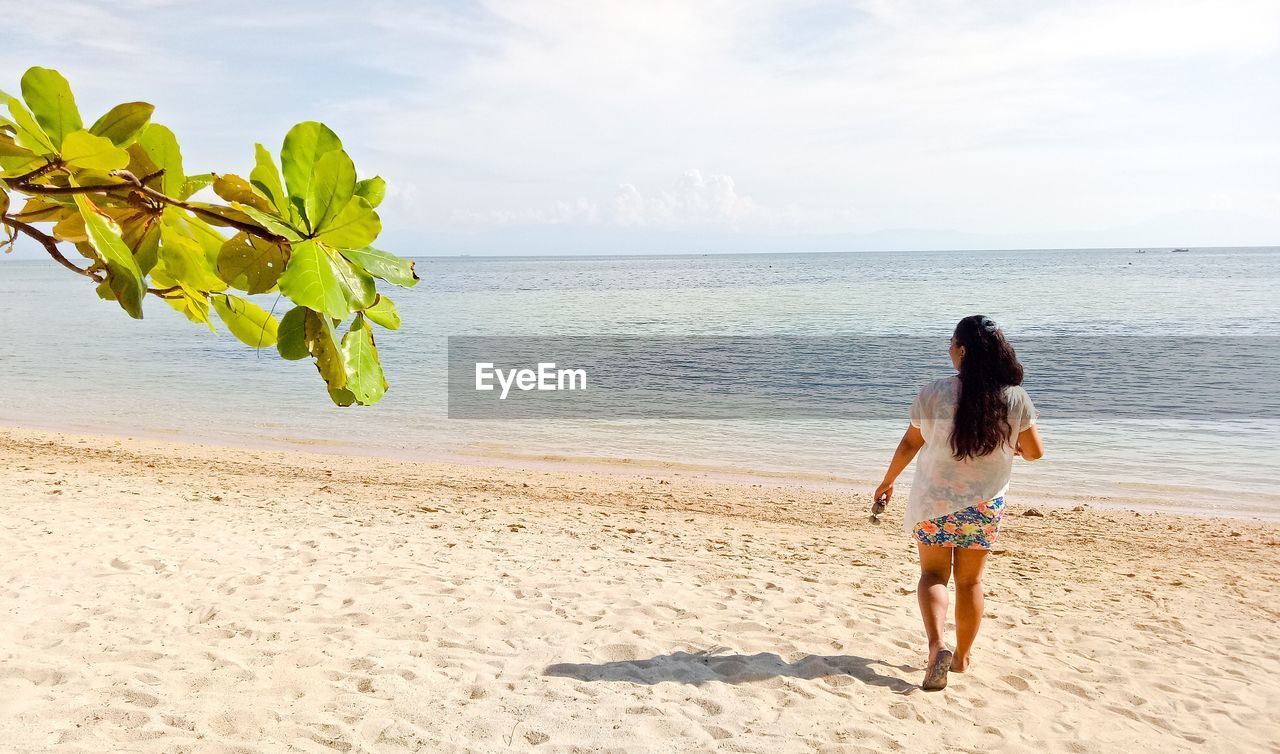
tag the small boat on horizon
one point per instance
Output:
(1180, 251)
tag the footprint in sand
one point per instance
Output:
(535, 737)
(1019, 684)
(709, 707)
(139, 698)
(1073, 688)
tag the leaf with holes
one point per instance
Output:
(251, 264)
(322, 344)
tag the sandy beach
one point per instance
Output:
(167, 597)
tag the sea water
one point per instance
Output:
(71, 361)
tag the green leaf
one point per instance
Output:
(141, 233)
(12, 165)
(183, 259)
(71, 228)
(342, 397)
(292, 342)
(233, 188)
(123, 276)
(266, 178)
(355, 227)
(270, 222)
(122, 123)
(192, 304)
(39, 209)
(384, 313)
(83, 150)
(247, 321)
(251, 264)
(209, 240)
(372, 190)
(384, 265)
(9, 148)
(27, 132)
(309, 280)
(141, 165)
(49, 96)
(360, 359)
(193, 183)
(333, 183)
(303, 146)
(221, 215)
(161, 146)
(356, 284)
(322, 344)
(4, 201)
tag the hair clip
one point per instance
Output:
(989, 324)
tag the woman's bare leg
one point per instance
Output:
(968, 572)
(935, 572)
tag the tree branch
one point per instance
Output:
(35, 188)
(50, 245)
(139, 184)
(34, 174)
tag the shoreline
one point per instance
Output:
(162, 596)
(1142, 499)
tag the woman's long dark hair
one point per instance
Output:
(988, 366)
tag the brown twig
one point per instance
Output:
(139, 184)
(34, 174)
(249, 228)
(102, 188)
(50, 245)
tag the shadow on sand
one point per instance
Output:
(711, 667)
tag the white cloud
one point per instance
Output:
(694, 200)
(830, 116)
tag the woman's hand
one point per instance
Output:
(910, 444)
(1029, 447)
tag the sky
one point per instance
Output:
(543, 127)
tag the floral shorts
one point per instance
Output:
(974, 527)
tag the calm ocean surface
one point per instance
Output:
(74, 362)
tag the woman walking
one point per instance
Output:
(966, 429)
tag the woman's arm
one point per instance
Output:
(1029, 445)
(910, 444)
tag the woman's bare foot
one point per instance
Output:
(935, 678)
(959, 663)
